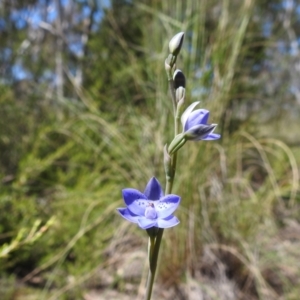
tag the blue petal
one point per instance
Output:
(135, 200)
(199, 132)
(197, 117)
(212, 136)
(126, 214)
(153, 190)
(145, 223)
(167, 222)
(187, 112)
(166, 206)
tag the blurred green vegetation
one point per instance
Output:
(68, 150)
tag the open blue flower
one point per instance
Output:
(151, 208)
(195, 125)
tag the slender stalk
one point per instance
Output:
(151, 248)
(174, 156)
(172, 92)
(152, 269)
(150, 281)
(153, 264)
(171, 86)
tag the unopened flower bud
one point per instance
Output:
(179, 79)
(176, 43)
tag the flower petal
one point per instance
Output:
(212, 136)
(197, 117)
(145, 223)
(126, 214)
(199, 132)
(135, 200)
(167, 222)
(166, 205)
(187, 112)
(153, 190)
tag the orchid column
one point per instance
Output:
(153, 209)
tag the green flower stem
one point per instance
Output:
(169, 184)
(151, 248)
(174, 156)
(171, 89)
(153, 264)
(173, 166)
(150, 282)
(172, 92)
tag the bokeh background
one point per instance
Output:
(84, 112)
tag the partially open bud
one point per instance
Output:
(179, 79)
(199, 132)
(176, 43)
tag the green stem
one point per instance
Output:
(172, 92)
(153, 264)
(171, 89)
(174, 156)
(151, 248)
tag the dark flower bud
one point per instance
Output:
(179, 79)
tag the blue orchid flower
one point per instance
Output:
(195, 128)
(151, 208)
(195, 125)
